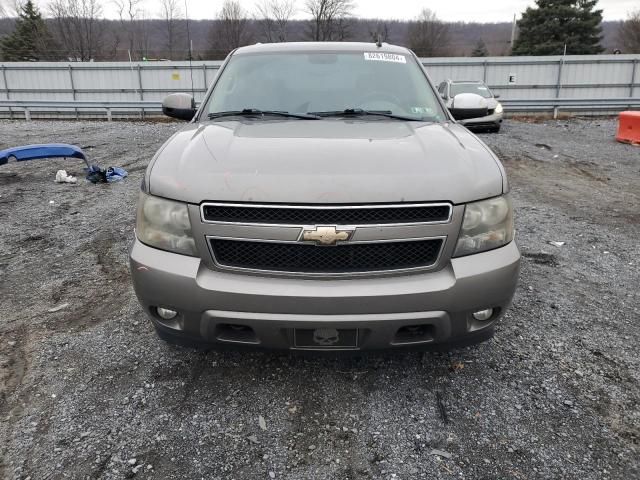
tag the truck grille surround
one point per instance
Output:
(243, 238)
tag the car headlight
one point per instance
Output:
(487, 224)
(499, 108)
(165, 224)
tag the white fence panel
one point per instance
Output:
(521, 81)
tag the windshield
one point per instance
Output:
(477, 88)
(325, 82)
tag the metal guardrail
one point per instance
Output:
(569, 105)
(26, 108)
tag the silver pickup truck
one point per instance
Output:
(323, 198)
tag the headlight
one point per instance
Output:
(499, 108)
(487, 225)
(165, 224)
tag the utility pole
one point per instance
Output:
(513, 30)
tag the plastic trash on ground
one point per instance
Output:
(63, 177)
(96, 174)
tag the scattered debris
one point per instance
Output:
(63, 177)
(96, 174)
(441, 453)
(253, 439)
(557, 244)
(456, 366)
(58, 308)
(262, 423)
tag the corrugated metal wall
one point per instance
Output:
(514, 78)
(579, 76)
(104, 81)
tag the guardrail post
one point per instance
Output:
(141, 92)
(27, 114)
(558, 85)
(109, 118)
(204, 75)
(73, 88)
(484, 71)
(634, 66)
(6, 87)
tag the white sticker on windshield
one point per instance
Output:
(385, 57)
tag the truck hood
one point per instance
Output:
(324, 161)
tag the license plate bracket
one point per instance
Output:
(325, 338)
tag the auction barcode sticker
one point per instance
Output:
(385, 57)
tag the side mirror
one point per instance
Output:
(469, 105)
(179, 105)
(496, 96)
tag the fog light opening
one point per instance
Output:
(166, 314)
(483, 315)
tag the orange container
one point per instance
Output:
(629, 128)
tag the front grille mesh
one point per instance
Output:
(302, 258)
(332, 216)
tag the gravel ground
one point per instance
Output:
(88, 391)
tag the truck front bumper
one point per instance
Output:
(390, 312)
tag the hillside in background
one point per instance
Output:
(151, 37)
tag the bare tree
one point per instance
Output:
(171, 15)
(273, 17)
(378, 30)
(629, 33)
(330, 19)
(143, 33)
(428, 36)
(78, 28)
(129, 12)
(231, 30)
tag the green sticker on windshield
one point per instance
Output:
(425, 111)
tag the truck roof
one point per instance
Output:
(320, 47)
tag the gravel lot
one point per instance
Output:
(88, 391)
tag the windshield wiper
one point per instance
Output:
(254, 112)
(359, 112)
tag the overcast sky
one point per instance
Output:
(451, 10)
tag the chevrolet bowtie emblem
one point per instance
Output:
(326, 235)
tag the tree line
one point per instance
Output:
(76, 30)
